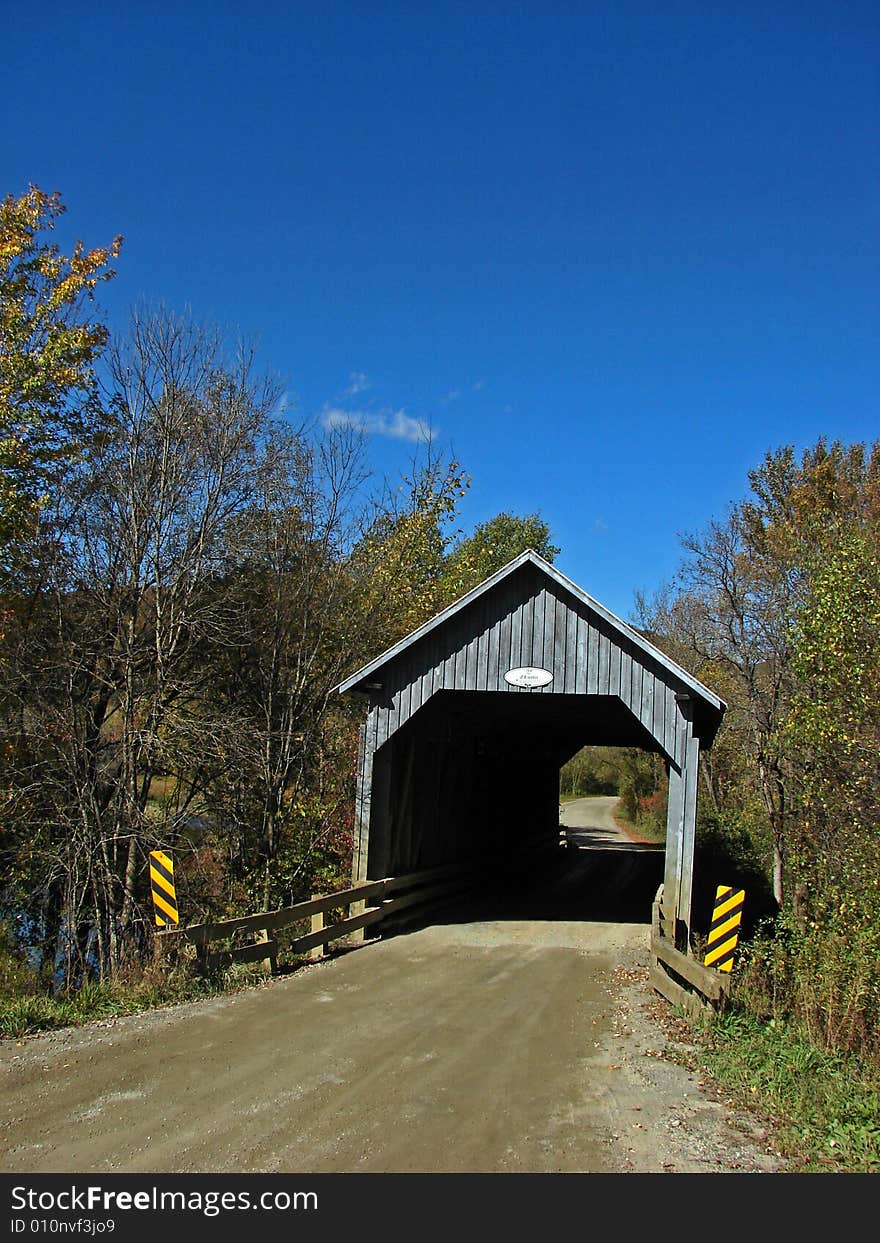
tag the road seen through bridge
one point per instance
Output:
(517, 1035)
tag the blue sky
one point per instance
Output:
(610, 252)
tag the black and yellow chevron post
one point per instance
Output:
(162, 885)
(724, 932)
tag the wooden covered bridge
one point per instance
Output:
(472, 715)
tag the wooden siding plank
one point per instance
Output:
(481, 654)
(532, 624)
(542, 603)
(626, 677)
(593, 662)
(560, 647)
(472, 660)
(646, 714)
(505, 644)
(670, 715)
(570, 656)
(582, 649)
(658, 728)
(636, 688)
(394, 709)
(614, 671)
(548, 638)
(602, 677)
(449, 669)
(406, 694)
(430, 672)
(493, 647)
(516, 629)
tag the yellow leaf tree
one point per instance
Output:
(49, 341)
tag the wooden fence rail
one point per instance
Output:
(386, 897)
(680, 979)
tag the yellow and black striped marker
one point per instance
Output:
(724, 932)
(162, 885)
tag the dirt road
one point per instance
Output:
(596, 812)
(591, 823)
(505, 1040)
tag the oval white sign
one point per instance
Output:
(529, 677)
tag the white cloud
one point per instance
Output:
(600, 525)
(358, 382)
(396, 424)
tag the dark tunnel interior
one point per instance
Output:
(474, 777)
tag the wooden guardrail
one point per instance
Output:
(386, 897)
(680, 979)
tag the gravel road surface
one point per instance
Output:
(517, 1036)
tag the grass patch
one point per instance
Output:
(25, 1015)
(826, 1107)
(645, 830)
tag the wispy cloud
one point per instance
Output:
(358, 382)
(452, 395)
(283, 404)
(600, 525)
(479, 386)
(395, 424)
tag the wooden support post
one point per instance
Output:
(363, 800)
(165, 947)
(270, 963)
(356, 908)
(689, 829)
(674, 828)
(317, 951)
(681, 821)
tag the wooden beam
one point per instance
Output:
(331, 933)
(710, 983)
(258, 952)
(674, 833)
(201, 934)
(689, 828)
(676, 994)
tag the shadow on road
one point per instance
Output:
(605, 839)
(613, 885)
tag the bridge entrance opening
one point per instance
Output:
(475, 774)
(471, 717)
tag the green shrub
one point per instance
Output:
(827, 1106)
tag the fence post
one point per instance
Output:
(270, 963)
(317, 951)
(165, 945)
(356, 908)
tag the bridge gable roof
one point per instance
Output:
(366, 678)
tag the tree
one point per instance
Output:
(492, 545)
(109, 656)
(733, 612)
(832, 734)
(49, 342)
(284, 782)
(402, 558)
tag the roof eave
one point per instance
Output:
(359, 681)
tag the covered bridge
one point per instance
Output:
(473, 714)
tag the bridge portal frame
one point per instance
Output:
(526, 615)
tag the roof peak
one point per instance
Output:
(354, 681)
